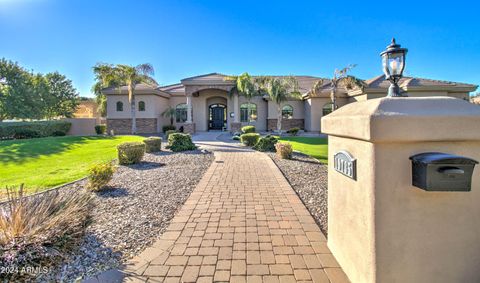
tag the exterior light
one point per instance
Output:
(393, 59)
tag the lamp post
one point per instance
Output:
(393, 59)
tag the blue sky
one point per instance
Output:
(187, 38)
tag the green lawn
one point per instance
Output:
(315, 147)
(47, 162)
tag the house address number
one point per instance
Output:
(344, 163)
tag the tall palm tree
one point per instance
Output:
(245, 86)
(108, 75)
(340, 79)
(170, 113)
(280, 89)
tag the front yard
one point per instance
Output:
(46, 162)
(312, 146)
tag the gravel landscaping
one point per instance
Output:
(134, 211)
(308, 177)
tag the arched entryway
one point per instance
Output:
(217, 116)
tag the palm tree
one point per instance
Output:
(108, 75)
(340, 79)
(170, 113)
(280, 89)
(245, 86)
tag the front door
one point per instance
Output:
(217, 117)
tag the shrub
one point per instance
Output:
(100, 129)
(293, 131)
(248, 129)
(168, 133)
(266, 144)
(130, 152)
(236, 138)
(99, 176)
(36, 129)
(250, 139)
(168, 128)
(153, 144)
(180, 142)
(284, 150)
(36, 230)
(25, 134)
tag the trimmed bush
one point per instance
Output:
(266, 144)
(293, 131)
(284, 150)
(168, 128)
(100, 129)
(130, 152)
(248, 129)
(36, 129)
(236, 138)
(99, 175)
(153, 144)
(250, 139)
(180, 142)
(168, 133)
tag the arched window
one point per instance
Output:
(141, 106)
(181, 113)
(327, 109)
(248, 112)
(119, 106)
(287, 111)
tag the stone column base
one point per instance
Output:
(235, 127)
(188, 128)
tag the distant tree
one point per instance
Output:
(340, 79)
(63, 97)
(280, 89)
(108, 75)
(170, 113)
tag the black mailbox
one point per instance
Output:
(436, 171)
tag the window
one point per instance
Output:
(181, 113)
(327, 109)
(248, 112)
(141, 106)
(287, 111)
(119, 106)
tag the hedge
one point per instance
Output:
(153, 144)
(36, 129)
(100, 129)
(180, 142)
(250, 139)
(130, 152)
(248, 129)
(168, 128)
(266, 144)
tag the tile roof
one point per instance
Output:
(381, 82)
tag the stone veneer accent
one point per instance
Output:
(235, 127)
(124, 126)
(287, 124)
(188, 128)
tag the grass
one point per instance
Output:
(47, 162)
(315, 147)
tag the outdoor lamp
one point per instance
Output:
(393, 59)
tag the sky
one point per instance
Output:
(187, 38)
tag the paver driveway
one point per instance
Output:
(242, 223)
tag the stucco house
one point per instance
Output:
(203, 103)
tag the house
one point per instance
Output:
(204, 103)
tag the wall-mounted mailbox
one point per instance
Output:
(436, 171)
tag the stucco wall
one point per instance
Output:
(298, 109)
(262, 112)
(200, 106)
(154, 106)
(315, 104)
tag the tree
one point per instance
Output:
(170, 113)
(280, 89)
(340, 78)
(245, 86)
(108, 75)
(62, 96)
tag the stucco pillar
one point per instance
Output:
(236, 111)
(381, 228)
(189, 109)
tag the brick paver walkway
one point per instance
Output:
(242, 223)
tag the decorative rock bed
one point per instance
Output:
(134, 211)
(308, 177)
